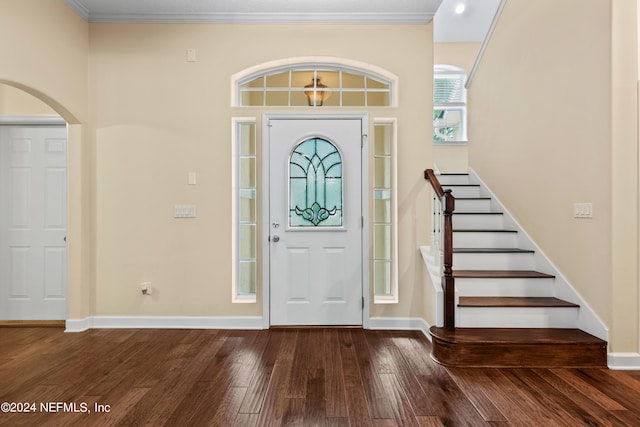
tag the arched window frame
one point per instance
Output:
(450, 104)
(314, 64)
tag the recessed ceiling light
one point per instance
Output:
(460, 8)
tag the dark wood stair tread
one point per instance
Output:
(483, 230)
(500, 274)
(492, 251)
(513, 302)
(478, 213)
(515, 335)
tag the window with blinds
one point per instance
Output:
(449, 104)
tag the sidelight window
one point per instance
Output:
(245, 206)
(385, 247)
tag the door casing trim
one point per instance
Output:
(265, 229)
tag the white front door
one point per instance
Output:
(315, 221)
(33, 222)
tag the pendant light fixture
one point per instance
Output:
(316, 93)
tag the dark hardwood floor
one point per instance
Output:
(306, 377)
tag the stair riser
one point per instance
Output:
(477, 287)
(520, 356)
(500, 261)
(464, 191)
(480, 205)
(517, 317)
(484, 240)
(477, 222)
(453, 179)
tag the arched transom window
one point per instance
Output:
(314, 85)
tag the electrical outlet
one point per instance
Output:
(145, 287)
(583, 210)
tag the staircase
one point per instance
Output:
(507, 313)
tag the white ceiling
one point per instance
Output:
(448, 26)
(470, 26)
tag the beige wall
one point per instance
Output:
(459, 54)
(44, 52)
(16, 102)
(452, 158)
(624, 184)
(541, 130)
(156, 117)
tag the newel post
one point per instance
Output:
(447, 279)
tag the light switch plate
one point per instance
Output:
(583, 210)
(192, 179)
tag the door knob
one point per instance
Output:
(275, 239)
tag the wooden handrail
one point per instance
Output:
(430, 176)
(447, 202)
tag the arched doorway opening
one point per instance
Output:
(40, 140)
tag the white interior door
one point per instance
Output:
(315, 220)
(33, 222)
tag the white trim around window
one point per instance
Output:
(244, 222)
(385, 251)
(315, 62)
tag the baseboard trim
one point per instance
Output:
(400, 324)
(231, 322)
(163, 322)
(623, 361)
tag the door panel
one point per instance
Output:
(315, 222)
(33, 221)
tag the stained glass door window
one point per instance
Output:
(315, 185)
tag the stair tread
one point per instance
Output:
(492, 251)
(513, 302)
(460, 185)
(478, 213)
(454, 173)
(473, 198)
(500, 274)
(515, 335)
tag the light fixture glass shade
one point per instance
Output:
(316, 95)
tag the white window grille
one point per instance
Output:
(449, 104)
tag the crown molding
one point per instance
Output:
(277, 11)
(78, 8)
(265, 18)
